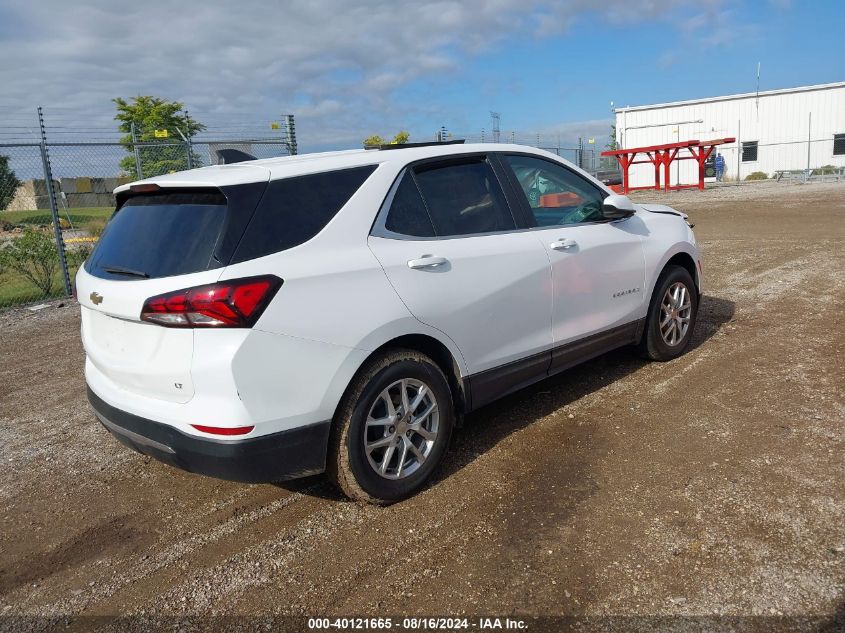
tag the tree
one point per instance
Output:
(401, 138)
(150, 114)
(375, 140)
(608, 162)
(34, 256)
(611, 140)
(9, 183)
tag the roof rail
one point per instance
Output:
(459, 141)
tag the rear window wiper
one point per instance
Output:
(120, 270)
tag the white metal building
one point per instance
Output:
(793, 128)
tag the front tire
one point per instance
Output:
(671, 315)
(392, 428)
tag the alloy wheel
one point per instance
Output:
(401, 428)
(675, 314)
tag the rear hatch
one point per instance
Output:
(159, 240)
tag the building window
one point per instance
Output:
(839, 144)
(749, 151)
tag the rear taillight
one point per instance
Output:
(231, 303)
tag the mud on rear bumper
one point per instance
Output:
(286, 455)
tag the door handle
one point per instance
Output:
(563, 244)
(427, 261)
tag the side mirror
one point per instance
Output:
(617, 207)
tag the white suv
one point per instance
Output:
(340, 312)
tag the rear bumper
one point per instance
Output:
(288, 454)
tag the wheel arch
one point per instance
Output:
(686, 261)
(680, 257)
(441, 355)
(434, 349)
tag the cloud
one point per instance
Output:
(557, 17)
(570, 132)
(716, 26)
(339, 66)
(667, 59)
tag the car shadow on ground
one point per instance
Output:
(485, 428)
(494, 422)
(837, 620)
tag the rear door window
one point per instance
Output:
(159, 235)
(293, 210)
(408, 215)
(464, 197)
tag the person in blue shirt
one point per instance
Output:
(719, 164)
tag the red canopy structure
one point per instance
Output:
(663, 155)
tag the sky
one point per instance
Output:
(350, 69)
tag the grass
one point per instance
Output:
(15, 289)
(91, 218)
(757, 175)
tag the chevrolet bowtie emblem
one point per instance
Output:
(96, 299)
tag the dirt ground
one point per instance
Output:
(713, 485)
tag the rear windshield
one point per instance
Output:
(182, 232)
(160, 235)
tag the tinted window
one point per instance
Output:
(749, 151)
(464, 198)
(555, 194)
(293, 210)
(160, 235)
(408, 214)
(838, 144)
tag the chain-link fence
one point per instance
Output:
(740, 162)
(583, 157)
(30, 263)
(780, 142)
(584, 152)
(57, 174)
(56, 196)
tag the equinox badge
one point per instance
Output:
(96, 299)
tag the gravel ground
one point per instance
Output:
(622, 494)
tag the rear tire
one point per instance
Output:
(386, 445)
(671, 315)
